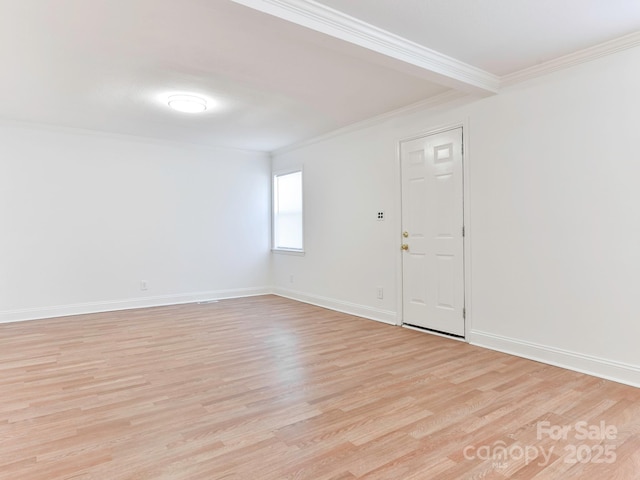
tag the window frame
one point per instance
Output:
(274, 175)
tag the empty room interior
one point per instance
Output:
(324, 240)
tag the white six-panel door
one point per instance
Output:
(432, 232)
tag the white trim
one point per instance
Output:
(460, 75)
(9, 316)
(466, 241)
(579, 362)
(423, 105)
(434, 131)
(364, 311)
(103, 134)
(289, 251)
(321, 18)
(280, 173)
(575, 58)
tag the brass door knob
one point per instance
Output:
(405, 234)
(405, 246)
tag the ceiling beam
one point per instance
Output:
(431, 65)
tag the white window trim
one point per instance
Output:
(280, 250)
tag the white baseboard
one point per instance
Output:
(599, 367)
(372, 313)
(9, 316)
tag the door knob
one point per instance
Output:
(405, 246)
(405, 234)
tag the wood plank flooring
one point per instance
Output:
(267, 388)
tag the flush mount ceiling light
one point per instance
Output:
(187, 103)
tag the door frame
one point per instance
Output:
(464, 124)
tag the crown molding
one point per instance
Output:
(466, 81)
(582, 56)
(125, 137)
(436, 67)
(439, 67)
(443, 98)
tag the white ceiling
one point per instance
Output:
(500, 36)
(107, 65)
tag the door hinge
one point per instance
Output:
(463, 230)
(462, 148)
(464, 313)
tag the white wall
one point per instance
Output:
(554, 225)
(348, 252)
(86, 217)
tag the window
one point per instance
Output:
(287, 211)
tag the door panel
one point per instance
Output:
(432, 216)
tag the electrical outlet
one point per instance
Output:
(380, 293)
(290, 278)
(143, 285)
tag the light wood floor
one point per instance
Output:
(267, 388)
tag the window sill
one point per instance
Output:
(284, 251)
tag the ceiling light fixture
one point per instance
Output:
(187, 103)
